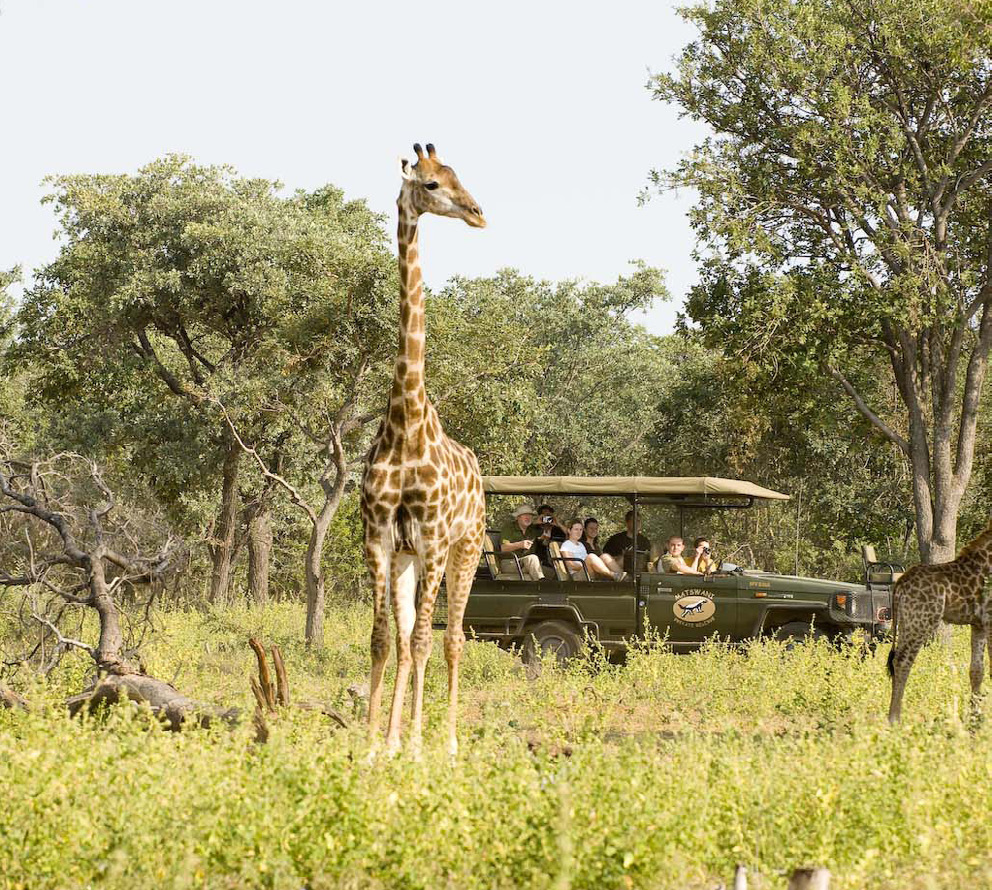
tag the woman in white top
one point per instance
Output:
(574, 549)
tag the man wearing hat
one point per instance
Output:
(518, 537)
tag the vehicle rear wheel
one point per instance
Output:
(796, 633)
(550, 639)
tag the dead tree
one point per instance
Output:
(80, 550)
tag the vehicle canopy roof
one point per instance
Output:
(699, 491)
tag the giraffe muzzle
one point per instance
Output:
(473, 216)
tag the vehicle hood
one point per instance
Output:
(794, 582)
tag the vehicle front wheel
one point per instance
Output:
(550, 639)
(798, 632)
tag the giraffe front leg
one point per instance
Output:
(421, 645)
(404, 590)
(378, 563)
(462, 562)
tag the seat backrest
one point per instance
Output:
(489, 556)
(868, 554)
(561, 573)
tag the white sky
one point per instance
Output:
(540, 107)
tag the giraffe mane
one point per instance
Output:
(977, 543)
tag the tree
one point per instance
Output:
(75, 547)
(790, 432)
(11, 382)
(845, 203)
(185, 287)
(546, 378)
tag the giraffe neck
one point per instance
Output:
(408, 393)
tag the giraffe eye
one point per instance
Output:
(430, 186)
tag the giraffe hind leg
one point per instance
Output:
(901, 663)
(379, 567)
(404, 590)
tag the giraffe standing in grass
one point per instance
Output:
(422, 503)
(927, 594)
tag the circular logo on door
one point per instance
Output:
(692, 608)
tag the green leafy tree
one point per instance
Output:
(10, 397)
(185, 288)
(793, 434)
(846, 204)
(546, 378)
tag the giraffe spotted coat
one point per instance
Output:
(423, 507)
(954, 592)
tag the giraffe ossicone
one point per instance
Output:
(423, 508)
(928, 594)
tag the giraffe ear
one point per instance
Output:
(406, 169)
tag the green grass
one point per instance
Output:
(680, 767)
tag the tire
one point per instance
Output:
(796, 633)
(550, 639)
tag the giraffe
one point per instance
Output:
(423, 509)
(950, 591)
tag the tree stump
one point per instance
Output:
(271, 697)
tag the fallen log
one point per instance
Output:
(10, 699)
(163, 699)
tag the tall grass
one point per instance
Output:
(679, 767)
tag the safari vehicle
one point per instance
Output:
(732, 604)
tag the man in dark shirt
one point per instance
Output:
(620, 548)
(548, 529)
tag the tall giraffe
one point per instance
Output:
(950, 591)
(422, 503)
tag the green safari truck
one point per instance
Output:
(733, 604)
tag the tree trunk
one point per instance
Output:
(315, 580)
(220, 580)
(108, 653)
(259, 550)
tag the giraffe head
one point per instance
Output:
(430, 186)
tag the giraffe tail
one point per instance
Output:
(891, 662)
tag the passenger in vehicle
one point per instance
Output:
(618, 551)
(575, 549)
(546, 517)
(517, 537)
(547, 529)
(703, 561)
(674, 562)
(590, 536)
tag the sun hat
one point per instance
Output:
(523, 508)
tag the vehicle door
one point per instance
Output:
(610, 606)
(692, 608)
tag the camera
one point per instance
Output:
(706, 550)
(547, 519)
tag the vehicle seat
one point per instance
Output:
(560, 563)
(491, 559)
(879, 573)
(631, 557)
